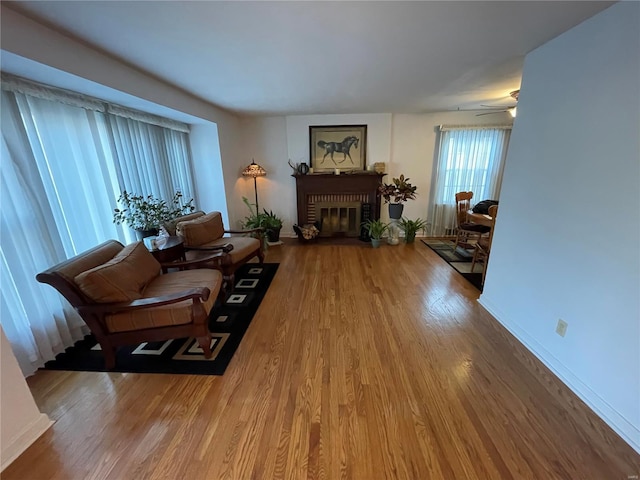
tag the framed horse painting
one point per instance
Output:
(337, 146)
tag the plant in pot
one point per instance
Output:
(375, 229)
(411, 227)
(272, 225)
(396, 193)
(255, 219)
(145, 214)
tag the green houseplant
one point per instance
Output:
(145, 214)
(255, 219)
(411, 227)
(396, 193)
(272, 225)
(375, 229)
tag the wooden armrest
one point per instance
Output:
(253, 230)
(217, 256)
(198, 293)
(224, 248)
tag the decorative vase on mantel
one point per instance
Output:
(395, 211)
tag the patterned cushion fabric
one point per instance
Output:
(202, 230)
(170, 225)
(242, 247)
(121, 279)
(173, 314)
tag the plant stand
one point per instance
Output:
(393, 232)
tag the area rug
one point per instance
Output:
(460, 259)
(227, 322)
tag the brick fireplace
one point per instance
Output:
(337, 200)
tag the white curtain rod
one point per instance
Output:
(444, 128)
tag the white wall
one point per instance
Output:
(565, 244)
(405, 143)
(208, 174)
(262, 140)
(21, 423)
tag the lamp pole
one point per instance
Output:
(255, 187)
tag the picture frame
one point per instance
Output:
(340, 147)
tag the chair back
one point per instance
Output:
(493, 213)
(62, 276)
(463, 205)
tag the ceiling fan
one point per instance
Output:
(506, 108)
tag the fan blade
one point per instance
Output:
(491, 113)
(501, 107)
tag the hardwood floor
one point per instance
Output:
(360, 363)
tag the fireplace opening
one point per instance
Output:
(340, 218)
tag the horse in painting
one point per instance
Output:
(341, 147)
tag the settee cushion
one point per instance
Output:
(172, 314)
(121, 279)
(243, 247)
(201, 230)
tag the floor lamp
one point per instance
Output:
(254, 170)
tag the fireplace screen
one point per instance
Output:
(341, 218)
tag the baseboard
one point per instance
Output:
(629, 432)
(24, 439)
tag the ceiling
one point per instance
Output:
(280, 58)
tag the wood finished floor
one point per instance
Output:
(360, 363)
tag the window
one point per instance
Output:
(65, 160)
(470, 159)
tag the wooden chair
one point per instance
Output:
(124, 300)
(203, 232)
(466, 230)
(483, 247)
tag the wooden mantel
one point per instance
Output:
(363, 184)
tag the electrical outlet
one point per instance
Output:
(561, 328)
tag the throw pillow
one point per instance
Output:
(170, 225)
(202, 230)
(121, 279)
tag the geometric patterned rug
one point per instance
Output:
(227, 323)
(460, 259)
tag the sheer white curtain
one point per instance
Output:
(65, 160)
(470, 159)
(161, 168)
(57, 195)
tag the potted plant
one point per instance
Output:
(145, 214)
(375, 229)
(411, 227)
(396, 193)
(255, 220)
(272, 225)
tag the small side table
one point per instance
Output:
(171, 251)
